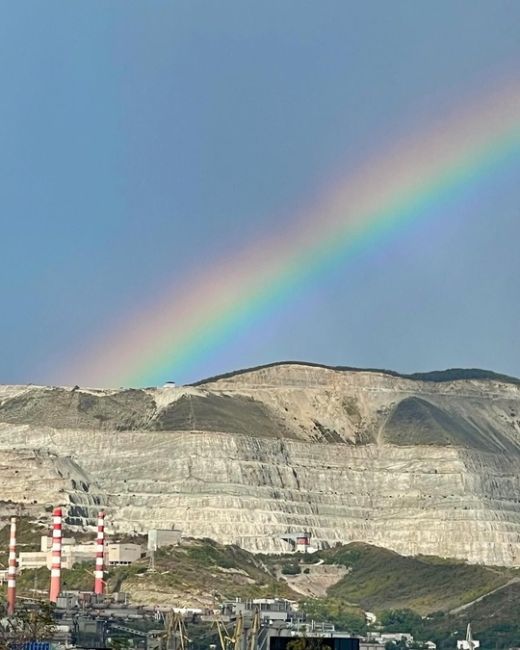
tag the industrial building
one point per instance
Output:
(72, 553)
(272, 623)
(300, 541)
(116, 554)
(158, 538)
(121, 554)
(92, 618)
(269, 609)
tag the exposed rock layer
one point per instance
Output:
(420, 467)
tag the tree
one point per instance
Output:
(401, 620)
(291, 569)
(396, 645)
(336, 611)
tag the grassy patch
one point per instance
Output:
(381, 579)
(204, 566)
(345, 617)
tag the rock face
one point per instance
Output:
(420, 467)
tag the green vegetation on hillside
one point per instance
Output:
(203, 567)
(28, 534)
(494, 621)
(345, 617)
(407, 594)
(381, 579)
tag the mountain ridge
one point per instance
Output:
(450, 374)
(419, 467)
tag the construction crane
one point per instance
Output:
(238, 632)
(225, 640)
(231, 641)
(255, 628)
(176, 637)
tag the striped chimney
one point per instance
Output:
(56, 555)
(99, 584)
(11, 571)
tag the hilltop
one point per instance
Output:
(423, 465)
(450, 374)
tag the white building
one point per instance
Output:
(119, 554)
(158, 538)
(32, 559)
(71, 554)
(46, 542)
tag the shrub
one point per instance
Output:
(291, 569)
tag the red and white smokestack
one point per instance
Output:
(11, 571)
(56, 555)
(99, 584)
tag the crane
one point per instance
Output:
(176, 636)
(255, 628)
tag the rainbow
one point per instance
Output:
(381, 198)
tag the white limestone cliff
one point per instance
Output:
(420, 467)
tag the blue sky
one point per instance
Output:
(140, 140)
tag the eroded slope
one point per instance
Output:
(427, 467)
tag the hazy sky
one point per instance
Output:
(141, 141)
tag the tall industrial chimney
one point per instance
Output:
(99, 584)
(11, 571)
(56, 555)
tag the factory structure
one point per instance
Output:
(275, 623)
(95, 620)
(101, 551)
(58, 552)
(300, 542)
(72, 553)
